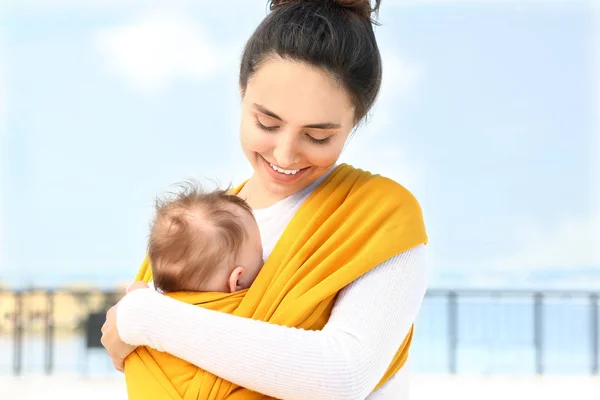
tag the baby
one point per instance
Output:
(204, 241)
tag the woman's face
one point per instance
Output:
(295, 122)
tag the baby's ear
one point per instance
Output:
(235, 279)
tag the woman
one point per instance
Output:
(309, 74)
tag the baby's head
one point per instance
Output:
(204, 241)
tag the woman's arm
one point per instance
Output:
(345, 360)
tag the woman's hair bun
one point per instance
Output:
(362, 8)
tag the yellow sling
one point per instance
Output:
(352, 222)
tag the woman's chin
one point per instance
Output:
(281, 189)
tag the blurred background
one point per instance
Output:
(489, 114)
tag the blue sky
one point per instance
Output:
(488, 113)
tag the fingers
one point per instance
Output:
(104, 328)
(118, 365)
(116, 348)
(105, 325)
(118, 362)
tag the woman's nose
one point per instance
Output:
(286, 153)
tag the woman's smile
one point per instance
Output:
(280, 174)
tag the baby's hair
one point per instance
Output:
(194, 232)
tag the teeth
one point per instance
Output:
(284, 171)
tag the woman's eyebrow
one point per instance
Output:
(324, 125)
(266, 111)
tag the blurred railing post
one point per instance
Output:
(594, 332)
(49, 332)
(18, 334)
(538, 332)
(452, 332)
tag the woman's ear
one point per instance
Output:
(235, 278)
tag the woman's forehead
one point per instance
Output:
(298, 93)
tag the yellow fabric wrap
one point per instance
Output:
(352, 222)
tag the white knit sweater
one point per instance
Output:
(345, 360)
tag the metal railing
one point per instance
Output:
(452, 320)
(563, 325)
(49, 315)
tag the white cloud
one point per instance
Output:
(572, 242)
(596, 45)
(51, 5)
(370, 147)
(377, 145)
(86, 3)
(3, 129)
(159, 48)
(400, 76)
(3, 50)
(385, 158)
(78, 2)
(411, 3)
(400, 81)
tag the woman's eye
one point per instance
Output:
(265, 127)
(319, 141)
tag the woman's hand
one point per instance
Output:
(117, 349)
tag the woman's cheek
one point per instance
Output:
(252, 139)
(260, 143)
(326, 156)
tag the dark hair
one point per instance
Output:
(194, 233)
(336, 35)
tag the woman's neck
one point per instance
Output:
(256, 196)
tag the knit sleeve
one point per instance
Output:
(345, 360)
